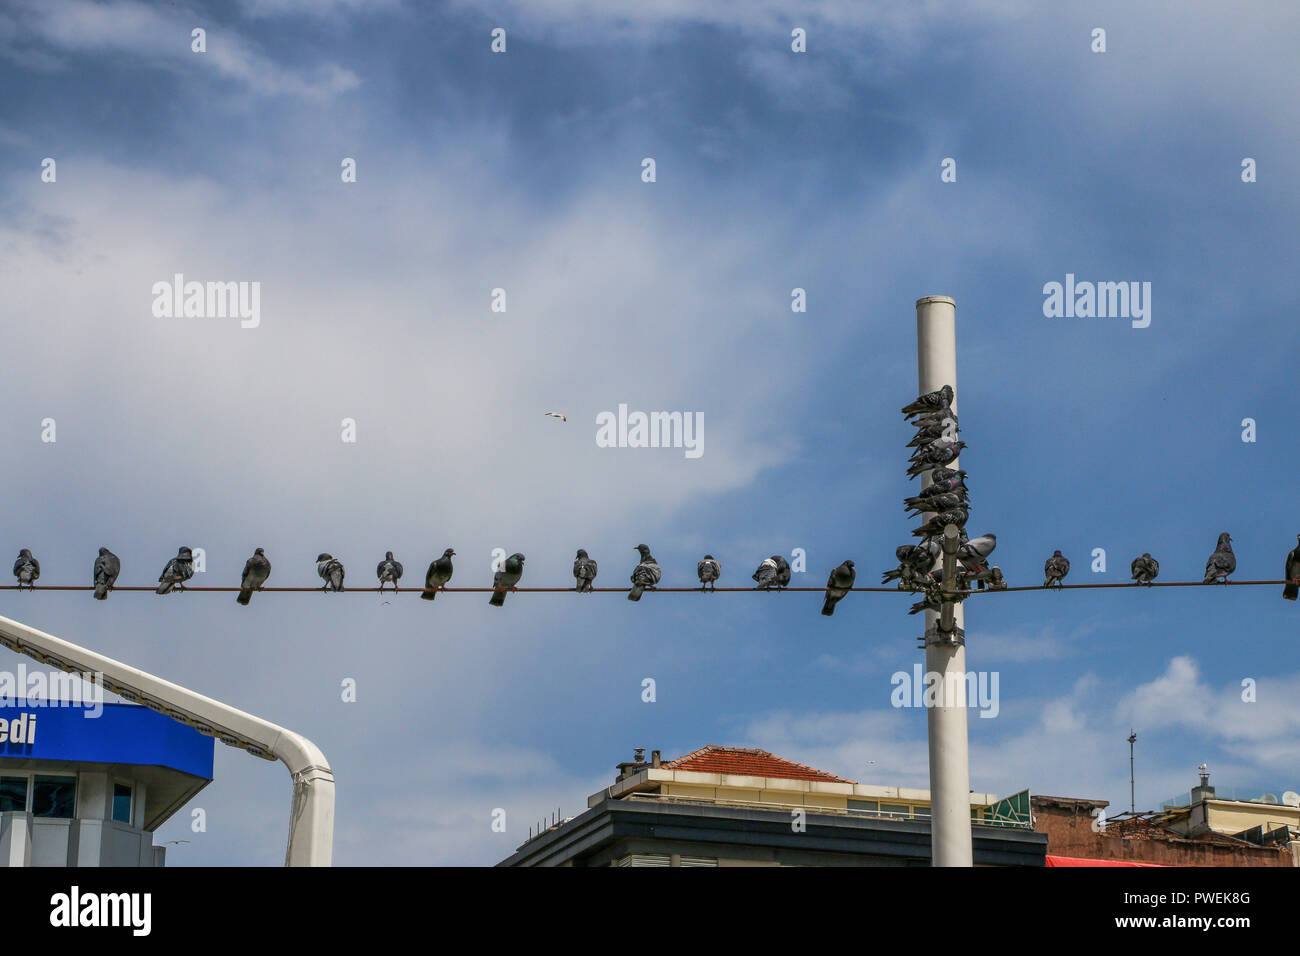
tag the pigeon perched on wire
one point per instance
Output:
(930, 402)
(256, 570)
(774, 572)
(584, 571)
(178, 570)
(438, 575)
(931, 602)
(915, 562)
(26, 569)
(506, 579)
(389, 571)
(645, 575)
(1222, 562)
(934, 454)
(1292, 573)
(837, 585)
(1145, 569)
(973, 554)
(940, 521)
(330, 570)
(990, 576)
(107, 568)
(1055, 569)
(708, 571)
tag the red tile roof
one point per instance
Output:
(748, 763)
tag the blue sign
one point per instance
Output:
(121, 733)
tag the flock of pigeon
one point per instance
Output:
(773, 572)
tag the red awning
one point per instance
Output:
(1080, 861)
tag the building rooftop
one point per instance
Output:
(746, 762)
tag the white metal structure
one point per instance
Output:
(311, 822)
(950, 834)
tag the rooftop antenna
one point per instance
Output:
(1132, 801)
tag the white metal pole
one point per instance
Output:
(311, 820)
(950, 834)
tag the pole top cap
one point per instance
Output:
(925, 300)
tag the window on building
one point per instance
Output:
(897, 811)
(921, 813)
(13, 793)
(122, 802)
(869, 806)
(54, 797)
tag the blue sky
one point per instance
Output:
(775, 170)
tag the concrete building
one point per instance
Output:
(730, 806)
(87, 785)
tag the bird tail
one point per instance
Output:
(1291, 591)
(245, 595)
(164, 587)
(829, 607)
(498, 598)
(429, 594)
(635, 593)
(101, 591)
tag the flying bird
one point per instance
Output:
(644, 575)
(1222, 562)
(178, 570)
(1145, 568)
(1055, 569)
(107, 568)
(26, 569)
(708, 571)
(330, 570)
(256, 570)
(584, 571)
(506, 579)
(1292, 573)
(389, 570)
(930, 402)
(437, 576)
(837, 585)
(773, 572)
(557, 415)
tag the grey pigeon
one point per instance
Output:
(708, 571)
(924, 500)
(928, 432)
(990, 576)
(931, 602)
(256, 570)
(1145, 569)
(644, 575)
(837, 585)
(1222, 562)
(929, 418)
(930, 402)
(996, 581)
(1055, 569)
(774, 572)
(1292, 573)
(584, 571)
(945, 474)
(178, 570)
(506, 579)
(940, 521)
(437, 576)
(26, 569)
(944, 501)
(388, 571)
(330, 570)
(934, 454)
(107, 568)
(974, 554)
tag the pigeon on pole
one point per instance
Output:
(107, 568)
(936, 524)
(389, 570)
(178, 570)
(1145, 568)
(974, 554)
(931, 402)
(506, 579)
(584, 571)
(1292, 573)
(838, 585)
(1222, 562)
(26, 569)
(256, 570)
(936, 453)
(1055, 569)
(708, 571)
(330, 570)
(645, 575)
(437, 576)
